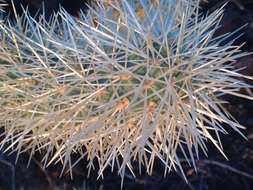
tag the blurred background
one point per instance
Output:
(214, 172)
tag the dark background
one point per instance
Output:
(214, 172)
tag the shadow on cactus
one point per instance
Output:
(126, 86)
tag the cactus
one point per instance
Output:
(117, 86)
